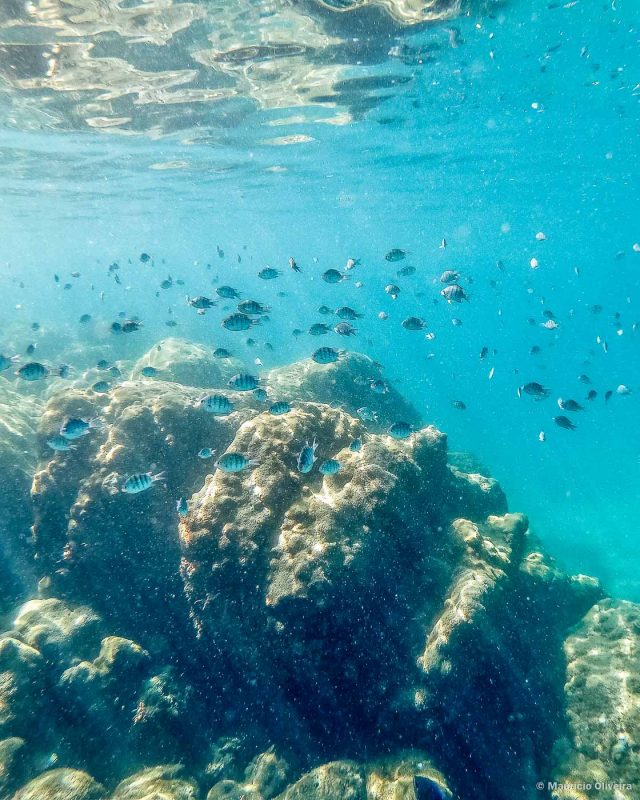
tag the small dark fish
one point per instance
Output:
(171, 323)
(319, 329)
(400, 430)
(242, 382)
(269, 273)
(564, 422)
(115, 372)
(220, 352)
(569, 405)
(535, 350)
(608, 394)
(219, 251)
(454, 293)
(596, 309)
(74, 427)
(406, 271)
(345, 329)
(35, 326)
(414, 324)
(293, 264)
(116, 278)
(131, 325)
(356, 445)
(450, 276)
(201, 302)
(238, 322)
(333, 276)
(584, 378)
(60, 444)
(325, 310)
(325, 355)
(344, 312)
(100, 387)
(149, 371)
(7, 361)
(279, 408)
(228, 292)
(85, 318)
(216, 404)
(31, 349)
(67, 286)
(103, 364)
(533, 389)
(64, 370)
(484, 353)
(459, 405)
(329, 467)
(396, 254)
(56, 278)
(253, 308)
(592, 395)
(296, 332)
(145, 258)
(33, 371)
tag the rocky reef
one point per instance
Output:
(19, 415)
(603, 703)
(330, 633)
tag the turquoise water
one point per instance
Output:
(507, 133)
(455, 150)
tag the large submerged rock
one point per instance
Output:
(345, 383)
(603, 703)
(187, 363)
(294, 626)
(356, 598)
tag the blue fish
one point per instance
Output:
(307, 457)
(74, 427)
(140, 482)
(269, 273)
(400, 430)
(234, 462)
(325, 355)
(60, 444)
(216, 404)
(238, 322)
(244, 382)
(279, 408)
(33, 371)
(330, 467)
(149, 372)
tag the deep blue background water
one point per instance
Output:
(461, 151)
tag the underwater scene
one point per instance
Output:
(319, 399)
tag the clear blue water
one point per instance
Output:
(509, 131)
(528, 125)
